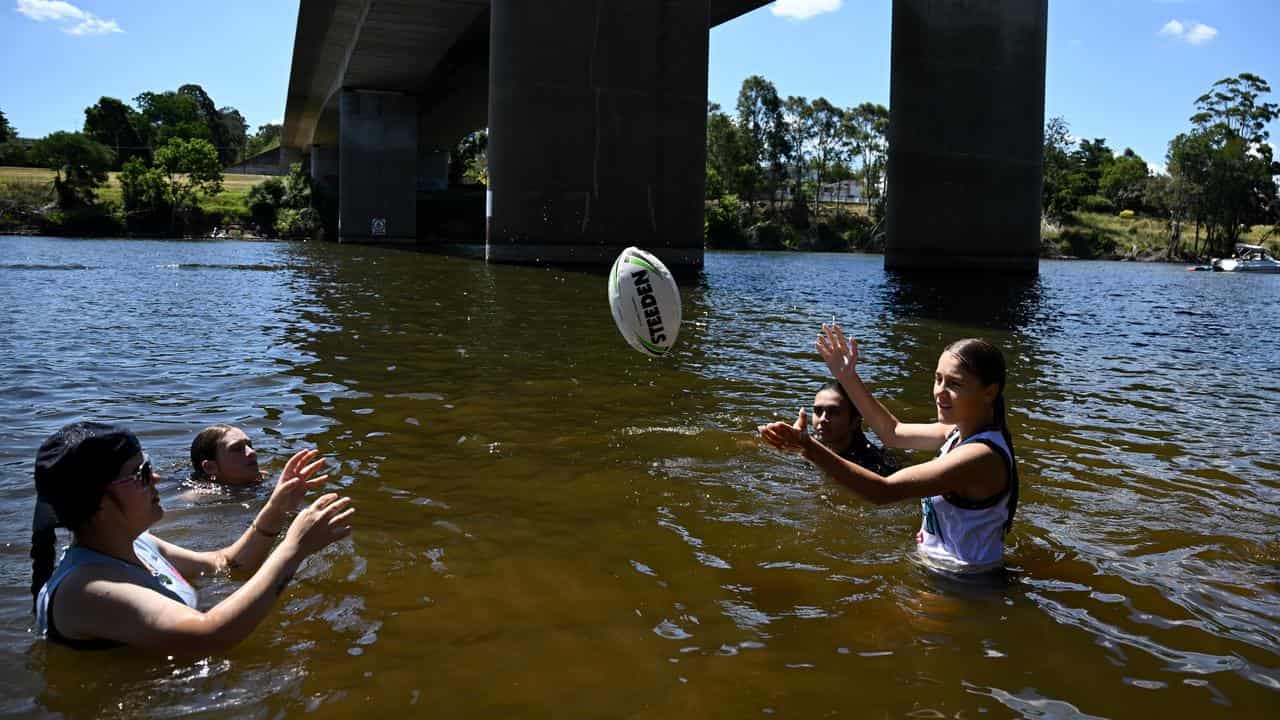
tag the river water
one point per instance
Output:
(552, 525)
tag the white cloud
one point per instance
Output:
(73, 20)
(1192, 32)
(804, 9)
(1157, 168)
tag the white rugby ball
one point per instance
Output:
(645, 301)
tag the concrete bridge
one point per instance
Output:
(596, 112)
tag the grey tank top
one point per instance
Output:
(160, 576)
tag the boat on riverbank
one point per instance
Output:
(1247, 258)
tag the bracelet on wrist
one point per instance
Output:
(255, 526)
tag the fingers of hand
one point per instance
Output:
(308, 470)
(316, 482)
(335, 507)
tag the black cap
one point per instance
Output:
(75, 465)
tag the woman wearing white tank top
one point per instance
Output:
(969, 492)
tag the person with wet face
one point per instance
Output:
(969, 492)
(224, 454)
(837, 424)
(118, 584)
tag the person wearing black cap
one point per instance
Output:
(120, 585)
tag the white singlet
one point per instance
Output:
(961, 536)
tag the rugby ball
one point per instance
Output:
(645, 301)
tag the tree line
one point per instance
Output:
(768, 163)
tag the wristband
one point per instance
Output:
(254, 525)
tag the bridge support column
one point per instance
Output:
(966, 129)
(378, 151)
(597, 130)
(324, 167)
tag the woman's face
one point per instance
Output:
(960, 397)
(235, 461)
(134, 494)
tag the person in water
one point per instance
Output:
(224, 454)
(969, 492)
(117, 584)
(837, 424)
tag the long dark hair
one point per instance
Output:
(833, 385)
(73, 468)
(985, 362)
(205, 447)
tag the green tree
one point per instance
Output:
(827, 123)
(1226, 158)
(218, 132)
(1091, 158)
(865, 131)
(7, 132)
(115, 124)
(729, 169)
(1124, 181)
(267, 137)
(191, 170)
(237, 131)
(80, 165)
(168, 115)
(1057, 200)
(764, 133)
(798, 114)
(469, 160)
(144, 195)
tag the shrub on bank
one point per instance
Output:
(722, 224)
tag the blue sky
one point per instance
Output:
(1126, 70)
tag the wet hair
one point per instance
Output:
(73, 468)
(985, 362)
(205, 447)
(833, 385)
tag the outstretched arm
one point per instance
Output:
(972, 470)
(841, 356)
(246, 554)
(110, 608)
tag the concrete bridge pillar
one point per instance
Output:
(597, 129)
(378, 166)
(966, 130)
(324, 167)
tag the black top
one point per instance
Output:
(872, 457)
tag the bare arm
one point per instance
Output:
(246, 554)
(971, 470)
(841, 356)
(141, 617)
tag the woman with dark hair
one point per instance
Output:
(119, 585)
(969, 492)
(224, 454)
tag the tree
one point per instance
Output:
(168, 115)
(469, 160)
(866, 136)
(765, 135)
(80, 165)
(826, 123)
(1226, 158)
(1124, 181)
(1091, 158)
(191, 169)
(144, 195)
(7, 132)
(115, 124)
(729, 170)
(1056, 198)
(798, 114)
(219, 134)
(237, 131)
(267, 137)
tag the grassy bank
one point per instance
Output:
(231, 202)
(1108, 236)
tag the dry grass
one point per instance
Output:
(234, 187)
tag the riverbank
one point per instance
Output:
(26, 203)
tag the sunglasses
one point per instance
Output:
(140, 477)
(830, 410)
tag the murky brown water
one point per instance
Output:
(553, 525)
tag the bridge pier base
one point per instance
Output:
(966, 128)
(378, 167)
(597, 130)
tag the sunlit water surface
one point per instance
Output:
(551, 524)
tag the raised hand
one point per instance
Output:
(839, 353)
(296, 479)
(321, 523)
(789, 438)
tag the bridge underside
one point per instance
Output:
(596, 116)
